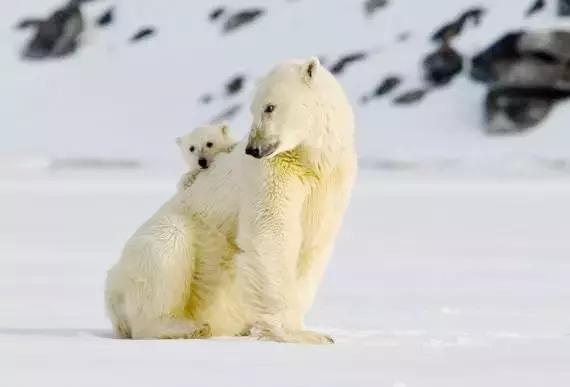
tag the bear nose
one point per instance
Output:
(253, 152)
(203, 163)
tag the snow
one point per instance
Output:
(452, 265)
(435, 281)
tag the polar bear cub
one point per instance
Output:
(200, 147)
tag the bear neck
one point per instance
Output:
(309, 161)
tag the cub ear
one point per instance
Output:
(178, 140)
(310, 68)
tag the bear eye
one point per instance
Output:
(209, 144)
(269, 108)
(192, 148)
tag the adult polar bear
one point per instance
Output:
(243, 250)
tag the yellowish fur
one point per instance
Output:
(243, 249)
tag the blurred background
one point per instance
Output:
(452, 265)
(136, 74)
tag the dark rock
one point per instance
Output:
(347, 60)
(216, 13)
(544, 57)
(410, 97)
(447, 32)
(564, 75)
(242, 18)
(106, 18)
(563, 7)
(526, 56)
(372, 6)
(473, 14)
(530, 71)
(454, 28)
(235, 85)
(443, 65)
(515, 109)
(536, 6)
(553, 45)
(227, 114)
(58, 35)
(386, 86)
(143, 34)
(28, 23)
(485, 66)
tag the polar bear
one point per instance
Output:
(200, 147)
(243, 249)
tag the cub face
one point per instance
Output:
(200, 147)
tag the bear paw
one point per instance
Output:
(280, 335)
(171, 329)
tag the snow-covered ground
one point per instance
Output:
(453, 265)
(434, 282)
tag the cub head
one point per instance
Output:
(286, 108)
(200, 147)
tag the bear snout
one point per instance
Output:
(261, 151)
(203, 163)
(253, 152)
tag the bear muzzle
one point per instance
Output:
(260, 151)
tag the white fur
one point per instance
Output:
(203, 143)
(242, 250)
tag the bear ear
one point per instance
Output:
(310, 68)
(178, 140)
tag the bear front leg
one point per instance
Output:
(270, 235)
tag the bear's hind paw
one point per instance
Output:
(172, 329)
(293, 337)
